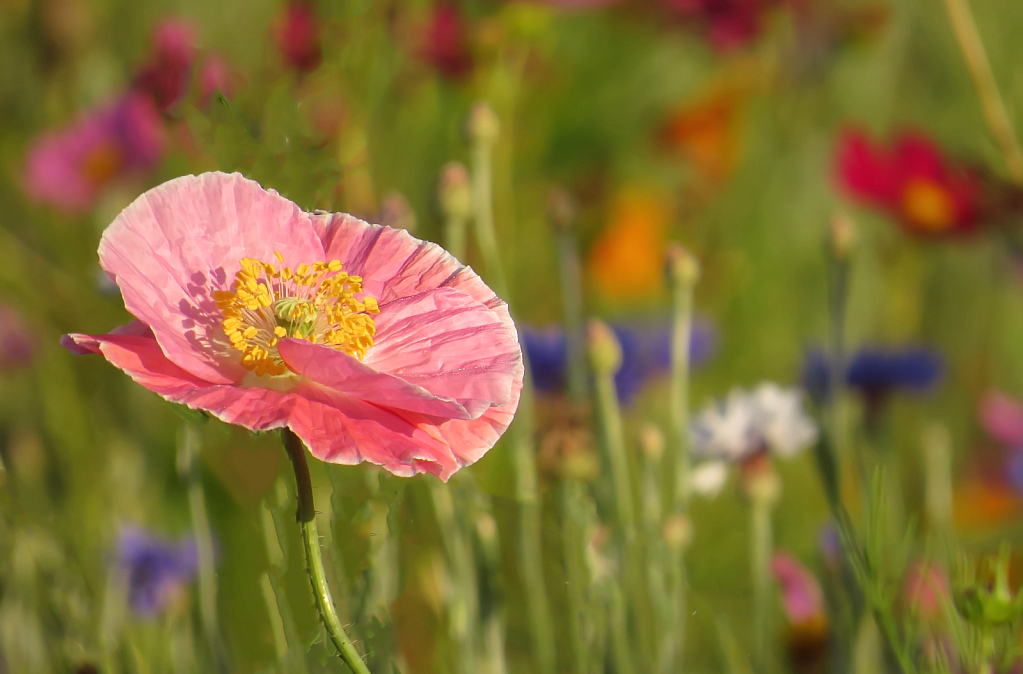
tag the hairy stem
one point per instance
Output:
(306, 515)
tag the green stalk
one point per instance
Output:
(188, 443)
(682, 274)
(463, 611)
(995, 113)
(760, 554)
(306, 516)
(483, 130)
(620, 649)
(605, 356)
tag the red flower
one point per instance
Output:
(445, 45)
(298, 37)
(913, 181)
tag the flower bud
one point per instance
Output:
(988, 602)
(396, 212)
(560, 209)
(483, 125)
(842, 236)
(651, 442)
(677, 532)
(760, 482)
(604, 349)
(681, 266)
(454, 193)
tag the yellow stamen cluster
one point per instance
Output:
(316, 303)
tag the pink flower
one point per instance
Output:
(800, 592)
(912, 181)
(69, 168)
(1002, 418)
(925, 590)
(214, 76)
(298, 37)
(166, 75)
(16, 341)
(367, 343)
(445, 43)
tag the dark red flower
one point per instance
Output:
(928, 193)
(445, 43)
(729, 24)
(167, 73)
(298, 37)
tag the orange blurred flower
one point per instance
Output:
(706, 132)
(625, 260)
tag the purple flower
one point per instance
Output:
(646, 353)
(876, 372)
(158, 569)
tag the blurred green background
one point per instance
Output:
(658, 133)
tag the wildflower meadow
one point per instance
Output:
(511, 336)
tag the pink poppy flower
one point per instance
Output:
(69, 168)
(168, 71)
(297, 33)
(367, 343)
(913, 181)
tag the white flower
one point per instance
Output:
(769, 417)
(707, 479)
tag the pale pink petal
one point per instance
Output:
(345, 374)
(349, 431)
(470, 440)
(800, 592)
(133, 349)
(177, 243)
(394, 264)
(451, 345)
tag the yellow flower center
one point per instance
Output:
(928, 205)
(315, 303)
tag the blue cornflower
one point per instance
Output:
(875, 371)
(157, 569)
(646, 353)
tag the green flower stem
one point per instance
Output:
(454, 236)
(682, 274)
(614, 445)
(483, 127)
(760, 554)
(188, 443)
(995, 114)
(621, 651)
(572, 309)
(306, 515)
(463, 611)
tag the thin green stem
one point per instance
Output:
(483, 214)
(995, 114)
(677, 455)
(760, 553)
(306, 516)
(455, 236)
(610, 416)
(463, 609)
(529, 546)
(572, 309)
(621, 651)
(188, 443)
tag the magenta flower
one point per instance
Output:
(69, 168)
(369, 344)
(168, 70)
(1002, 418)
(297, 33)
(800, 592)
(17, 345)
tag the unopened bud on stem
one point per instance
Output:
(483, 125)
(604, 350)
(681, 266)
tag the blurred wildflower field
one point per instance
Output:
(765, 266)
